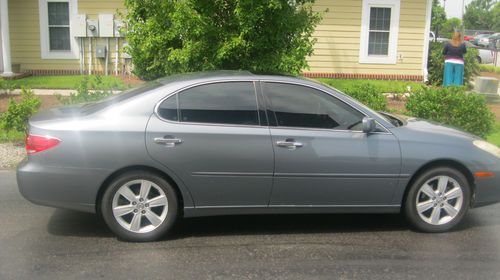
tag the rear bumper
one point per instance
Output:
(60, 187)
(487, 190)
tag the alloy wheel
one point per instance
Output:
(140, 206)
(439, 200)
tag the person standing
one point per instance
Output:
(454, 52)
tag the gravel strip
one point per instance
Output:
(10, 155)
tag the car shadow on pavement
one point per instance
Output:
(70, 223)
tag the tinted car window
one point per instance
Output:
(168, 109)
(300, 106)
(221, 103)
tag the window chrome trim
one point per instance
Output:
(179, 122)
(254, 81)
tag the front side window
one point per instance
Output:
(300, 106)
(58, 17)
(221, 103)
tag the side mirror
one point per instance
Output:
(369, 125)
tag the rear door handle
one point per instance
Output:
(289, 144)
(169, 142)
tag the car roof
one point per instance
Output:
(208, 76)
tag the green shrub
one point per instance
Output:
(367, 94)
(262, 36)
(452, 106)
(436, 64)
(84, 95)
(18, 113)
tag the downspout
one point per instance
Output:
(428, 17)
(90, 55)
(117, 41)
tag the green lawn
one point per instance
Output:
(384, 86)
(495, 136)
(61, 82)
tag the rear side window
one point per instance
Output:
(300, 106)
(220, 103)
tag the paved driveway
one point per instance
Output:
(43, 243)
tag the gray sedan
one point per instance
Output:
(226, 143)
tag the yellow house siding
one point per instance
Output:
(25, 35)
(336, 50)
(338, 39)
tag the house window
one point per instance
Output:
(379, 31)
(56, 41)
(59, 38)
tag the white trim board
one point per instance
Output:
(428, 17)
(45, 51)
(391, 58)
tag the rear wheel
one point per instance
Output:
(139, 206)
(438, 200)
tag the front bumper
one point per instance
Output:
(60, 187)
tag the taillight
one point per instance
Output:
(36, 143)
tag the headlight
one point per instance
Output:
(487, 147)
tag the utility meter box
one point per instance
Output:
(100, 51)
(106, 25)
(119, 28)
(78, 25)
(92, 28)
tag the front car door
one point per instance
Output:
(210, 136)
(322, 158)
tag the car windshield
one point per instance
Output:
(93, 107)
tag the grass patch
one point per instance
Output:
(489, 68)
(11, 136)
(495, 136)
(381, 85)
(63, 82)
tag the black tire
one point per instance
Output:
(164, 227)
(479, 60)
(410, 206)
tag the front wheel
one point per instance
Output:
(139, 206)
(438, 200)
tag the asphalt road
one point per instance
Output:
(43, 243)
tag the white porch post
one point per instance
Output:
(4, 26)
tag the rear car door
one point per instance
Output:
(210, 136)
(322, 158)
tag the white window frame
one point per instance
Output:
(391, 58)
(46, 53)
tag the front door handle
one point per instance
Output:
(289, 144)
(169, 142)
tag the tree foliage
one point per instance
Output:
(496, 16)
(265, 36)
(438, 17)
(479, 15)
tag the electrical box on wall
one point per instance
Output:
(100, 51)
(106, 25)
(78, 26)
(92, 28)
(119, 28)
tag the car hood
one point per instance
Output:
(424, 130)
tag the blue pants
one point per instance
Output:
(453, 74)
